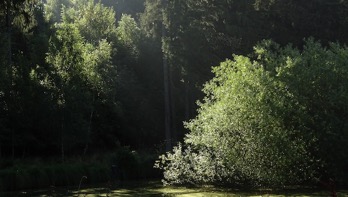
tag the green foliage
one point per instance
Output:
(200, 34)
(128, 30)
(130, 7)
(272, 120)
(191, 165)
(95, 21)
(77, 78)
(91, 47)
(129, 34)
(53, 10)
(84, 73)
(66, 52)
(151, 18)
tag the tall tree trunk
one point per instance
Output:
(12, 144)
(62, 142)
(10, 77)
(187, 100)
(62, 134)
(62, 150)
(89, 129)
(174, 134)
(167, 112)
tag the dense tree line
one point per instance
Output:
(75, 79)
(79, 77)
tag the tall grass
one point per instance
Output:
(45, 175)
(36, 174)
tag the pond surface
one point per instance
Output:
(154, 189)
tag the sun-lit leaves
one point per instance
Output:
(66, 52)
(84, 75)
(270, 119)
(128, 30)
(95, 21)
(129, 34)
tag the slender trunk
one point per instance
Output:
(174, 134)
(9, 72)
(190, 106)
(12, 144)
(167, 106)
(62, 135)
(62, 150)
(62, 145)
(89, 129)
(192, 100)
(167, 112)
(24, 152)
(187, 100)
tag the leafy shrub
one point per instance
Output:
(277, 119)
(193, 166)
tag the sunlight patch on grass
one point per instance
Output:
(192, 192)
(176, 190)
(155, 190)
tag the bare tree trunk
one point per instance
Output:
(167, 112)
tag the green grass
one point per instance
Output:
(154, 189)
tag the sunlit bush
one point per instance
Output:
(276, 118)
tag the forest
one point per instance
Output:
(236, 93)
